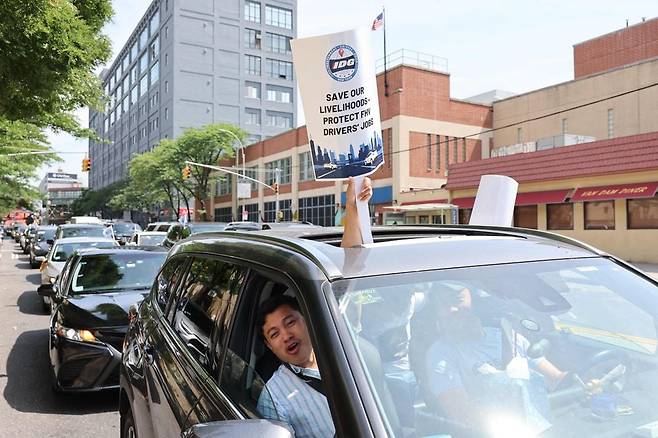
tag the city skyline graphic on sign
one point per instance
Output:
(359, 160)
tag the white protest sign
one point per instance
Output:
(336, 76)
(494, 202)
(338, 87)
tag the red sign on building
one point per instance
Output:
(622, 191)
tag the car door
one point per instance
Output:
(138, 354)
(181, 370)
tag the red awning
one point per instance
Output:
(547, 197)
(621, 191)
(464, 202)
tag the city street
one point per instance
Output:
(28, 407)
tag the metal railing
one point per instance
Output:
(413, 58)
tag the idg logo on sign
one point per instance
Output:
(342, 63)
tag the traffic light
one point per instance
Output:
(186, 172)
(275, 187)
(86, 164)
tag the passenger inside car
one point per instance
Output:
(472, 361)
(294, 394)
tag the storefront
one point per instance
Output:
(601, 193)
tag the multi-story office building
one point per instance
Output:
(188, 64)
(59, 190)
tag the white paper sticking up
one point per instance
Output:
(494, 202)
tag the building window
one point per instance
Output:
(525, 216)
(143, 62)
(306, 167)
(134, 51)
(455, 146)
(166, 86)
(154, 24)
(276, 93)
(284, 165)
(252, 11)
(279, 120)
(111, 83)
(252, 138)
(389, 136)
(642, 213)
(277, 43)
(252, 90)
(565, 126)
(429, 151)
(600, 215)
(252, 116)
(224, 214)
(285, 207)
(318, 210)
(224, 185)
(278, 69)
(465, 215)
(143, 38)
(447, 142)
(519, 134)
(437, 154)
(252, 212)
(155, 49)
(252, 39)
(166, 32)
(611, 123)
(559, 216)
(154, 73)
(125, 85)
(125, 63)
(278, 17)
(464, 149)
(251, 172)
(143, 85)
(134, 74)
(166, 60)
(252, 65)
(166, 113)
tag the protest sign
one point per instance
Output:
(494, 202)
(336, 76)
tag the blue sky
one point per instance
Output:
(513, 45)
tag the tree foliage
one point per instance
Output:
(93, 201)
(156, 176)
(49, 50)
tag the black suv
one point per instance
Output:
(429, 331)
(179, 231)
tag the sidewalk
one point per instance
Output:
(649, 268)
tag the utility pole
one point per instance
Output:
(277, 182)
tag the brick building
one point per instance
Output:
(424, 131)
(616, 49)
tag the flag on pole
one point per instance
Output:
(379, 21)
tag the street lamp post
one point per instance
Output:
(237, 163)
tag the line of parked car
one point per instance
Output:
(451, 331)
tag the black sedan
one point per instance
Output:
(90, 316)
(41, 244)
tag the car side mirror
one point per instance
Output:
(46, 290)
(264, 428)
(50, 241)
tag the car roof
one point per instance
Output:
(83, 239)
(400, 249)
(122, 250)
(81, 225)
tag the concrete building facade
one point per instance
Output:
(191, 63)
(614, 94)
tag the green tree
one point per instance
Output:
(208, 144)
(153, 180)
(49, 50)
(93, 201)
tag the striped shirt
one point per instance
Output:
(287, 398)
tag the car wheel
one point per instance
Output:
(45, 306)
(128, 429)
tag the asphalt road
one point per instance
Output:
(28, 407)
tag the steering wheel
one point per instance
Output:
(589, 369)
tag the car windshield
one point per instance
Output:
(47, 234)
(99, 231)
(119, 271)
(151, 239)
(124, 228)
(203, 228)
(62, 251)
(551, 349)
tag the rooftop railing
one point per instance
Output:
(413, 58)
